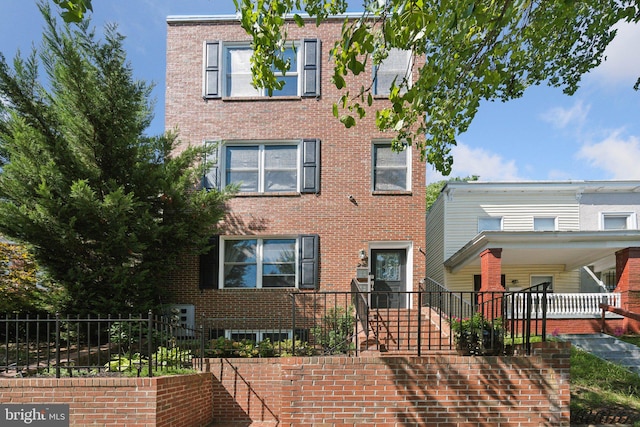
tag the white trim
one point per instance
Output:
(259, 259)
(554, 218)
(500, 218)
(631, 219)
(603, 243)
(222, 160)
(408, 163)
(259, 333)
(400, 77)
(176, 19)
(553, 279)
(408, 246)
(295, 45)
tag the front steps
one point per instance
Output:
(397, 331)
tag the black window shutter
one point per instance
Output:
(310, 166)
(209, 263)
(308, 261)
(212, 70)
(311, 67)
(211, 173)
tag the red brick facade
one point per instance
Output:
(491, 281)
(391, 391)
(344, 226)
(628, 273)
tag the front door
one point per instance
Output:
(389, 278)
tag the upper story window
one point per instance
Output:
(227, 70)
(489, 223)
(396, 66)
(265, 167)
(262, 168)
(618, 221)
(391, 170)
(544, 224)
(237, 73)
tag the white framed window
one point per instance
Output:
(257, 336)
(237, 73)
(262, 168)
(539, 280)
(260, 263)
(396, 66)
(227, 70)
(391, 169)
(489, 223)
(545, 224)
(617, 221)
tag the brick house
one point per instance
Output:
(581, 237)
(315, 200)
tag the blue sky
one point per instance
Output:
(545, 135)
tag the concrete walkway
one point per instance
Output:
(608, 348)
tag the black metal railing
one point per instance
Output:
(359, 300)
(73, 346)
(431, 319)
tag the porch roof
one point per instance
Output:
(573, 249)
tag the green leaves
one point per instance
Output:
(464, 52)
(74, 10)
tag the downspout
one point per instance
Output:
(598, 281)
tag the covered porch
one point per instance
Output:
(578, 257)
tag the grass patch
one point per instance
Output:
(518, 340)
(632, 339)
(597, 385)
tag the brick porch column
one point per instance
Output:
(490, 281)
(628, 277)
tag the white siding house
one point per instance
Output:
(547, 231)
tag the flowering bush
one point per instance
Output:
(477, 335)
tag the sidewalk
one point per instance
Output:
(608, 348)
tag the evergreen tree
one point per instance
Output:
(107, 210)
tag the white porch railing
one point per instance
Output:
(571, 305)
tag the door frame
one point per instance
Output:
(408, 247)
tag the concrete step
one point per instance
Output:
(608, 348)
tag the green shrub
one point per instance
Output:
(336, 331)
(477, 334)
(223, 347)
(170, 360)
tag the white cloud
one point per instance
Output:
(561, 117)
(615, 154)
(622, 64)
(469, 161)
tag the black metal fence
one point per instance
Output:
(431, 319)
(72, 346)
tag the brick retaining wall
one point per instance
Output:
(391, 391)
(324, 391)
(183, 400)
